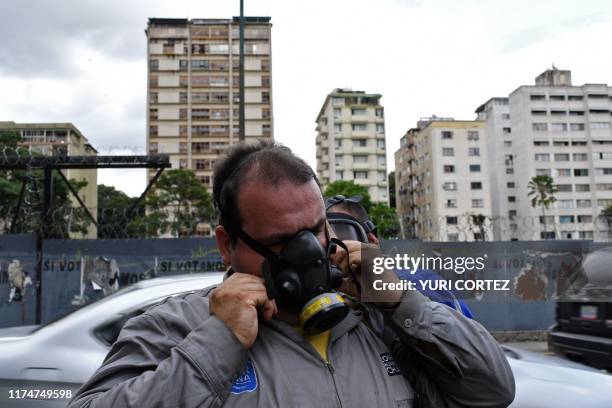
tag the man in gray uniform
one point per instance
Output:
(234, 346)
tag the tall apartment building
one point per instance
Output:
(500, 151)
(193, 88)
(405, 191)
(448, 192)
(63, 139)
(350, 142)
(563, 131)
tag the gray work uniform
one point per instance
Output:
(178, 355)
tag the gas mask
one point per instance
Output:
(302, 277)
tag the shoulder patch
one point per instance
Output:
(390, 364)
(246, 381)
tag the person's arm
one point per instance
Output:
(148, 366)
(451, 360)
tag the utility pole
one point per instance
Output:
(241, 92)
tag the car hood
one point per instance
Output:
(540, 385)
(10, 333)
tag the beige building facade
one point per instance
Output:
(350, 142)
(52, 139)
(193, 89)
(442, 181)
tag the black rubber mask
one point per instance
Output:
(302, 276)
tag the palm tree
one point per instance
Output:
(541, 191)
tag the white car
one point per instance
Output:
(63, 354)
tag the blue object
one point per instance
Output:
(449, 298)
(246, 381)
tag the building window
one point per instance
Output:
(451, 203)
(576, 126)
(337, 113)
(512, 213)
(379, 112)
(585, 218)
(547, 235)
(450, 186)
(585, 234)
(473, 135)
(541, 143)
(542, 172)
(359, 127)
(582, 188)
(153, 147)
(380, 144)
(539, 127)
(602, 156)
(542, 157)
(505, 116)
(604, 187)
(360, 142)
(507, 143)
(510, 184)
(339, 160)
(476, 185)
(511, 199)
(154, 65)
(360, 175)
(474, 168)
(564, 188)
(360, 159)
(509, 170)
(556, 97)
(453, 237)
(381, 160)
(537, 97)
(380, 128)
(337, 127)
(451, 220)
(580, 157)
(358, 111)
(473, 151)
(448, 151)
(582, 172)
(506, 130)
(338, 143)
(447, 134)
(477, 203)
(449, 168)
(583, 203)
(339, 175)
(558, 127)
(562, 157)
(564, 172)
(600, 125)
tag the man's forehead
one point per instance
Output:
(267, 209)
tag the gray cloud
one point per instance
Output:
(39, 36)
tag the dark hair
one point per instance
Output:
(355, 209)
(265, 160)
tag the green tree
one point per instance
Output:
(114, 219)
(348, 188)
(177, 204)
(65, 217)
(391, 184)
(386, 220)
(542, 191)
(606, 214)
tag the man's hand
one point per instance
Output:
(237, 300)
(356, 250)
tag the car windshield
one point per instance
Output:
(97, 302)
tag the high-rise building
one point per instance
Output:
(560, 130)
(350, 142)
(193, 88)
(447, 196)
(499, 149)
(63, 139)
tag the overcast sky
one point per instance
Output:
(84, 61)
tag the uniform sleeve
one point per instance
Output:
(146, 367)
(475, 371)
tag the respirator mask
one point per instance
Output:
(301, 276)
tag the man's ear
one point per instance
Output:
(373, 239)
(224, 243)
